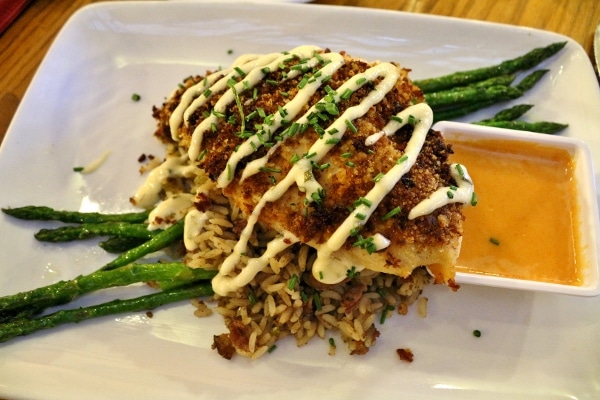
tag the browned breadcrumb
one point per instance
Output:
(405, 354)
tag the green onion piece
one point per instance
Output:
(77, 169)
(494, 241)
(450, 194)
(474, 199)
(360, 216)
(252, 298)
(402, 159)
(378, 177)
(202, 154)
(292, 282)
(317, 298)
(388, 308)
(347, 94)
(351, 126)
(391, 213)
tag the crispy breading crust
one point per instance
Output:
(432, 240)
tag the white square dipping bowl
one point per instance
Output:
(585, 215)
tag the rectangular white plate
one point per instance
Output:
(533, 345)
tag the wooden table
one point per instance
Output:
(24, 43)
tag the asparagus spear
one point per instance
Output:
(521, 63)
(63, 292)
(510, 114)
(23, 327)
(538, 127)
(438, 100)
(90, 230)
(120, 244)
(158, 242)
(43, 213)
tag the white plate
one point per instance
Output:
(533, 345)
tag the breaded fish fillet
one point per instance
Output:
(328, 150)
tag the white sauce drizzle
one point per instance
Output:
(328, 268)
(149, 193)
(171, 209)
(193, 225)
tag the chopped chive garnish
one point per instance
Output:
(303, 82)
(352, 273)
(360, 81)
(229, 172)
(412, 120)
(364, 201)
(332, 141)
(332, 342)
(311, 155)
(346, 155)
(397, 118)
(295, 158)
(378, 177)
(494, 241)
(272, 348)
(384, 314)
(452, 187)
(136, 97)
(360, 216)
(474, 199)
(218, 114)
(207, 93)
(350, 164)
(351, 126)
(240, 72)
(77, 169)
(272, 82)
(450, 194)
(391, 213)
(402, 159)
(317, 297)
(251, 115)
(202, 154)
(323, 167)
(477, 333)
(252, 298)
(213, 127)
(292, 282)
(460, 170)
(303, 296)
(347, 94)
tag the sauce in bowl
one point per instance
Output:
(535, 223)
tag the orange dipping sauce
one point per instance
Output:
(524, 225)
